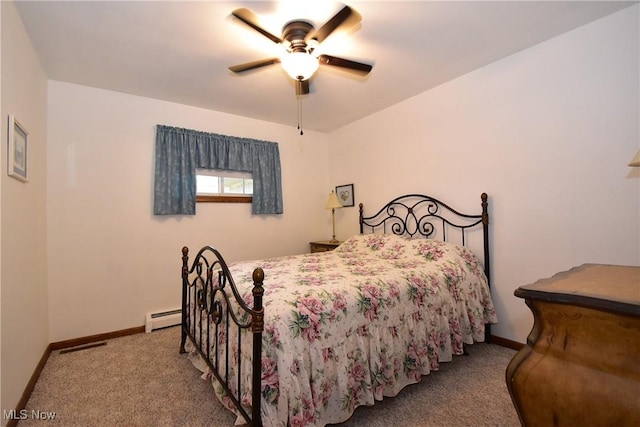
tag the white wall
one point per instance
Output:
(23, 279)
(547, 133)
(111, 260)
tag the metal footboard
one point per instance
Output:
(213, 312)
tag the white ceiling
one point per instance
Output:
(180, 51)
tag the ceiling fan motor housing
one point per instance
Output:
(295, 33)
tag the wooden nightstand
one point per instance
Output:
(323, 246)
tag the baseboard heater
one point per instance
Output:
(162, 319)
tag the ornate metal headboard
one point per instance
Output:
(417, 214)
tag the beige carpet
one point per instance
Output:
(142, 380)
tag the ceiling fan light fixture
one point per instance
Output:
(299, 65)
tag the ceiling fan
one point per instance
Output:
(299, 40)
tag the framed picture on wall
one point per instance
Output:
(345, 195)
(17, 145)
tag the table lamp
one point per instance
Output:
(332, 204)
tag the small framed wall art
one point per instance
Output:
(345, 195)
(17, 145)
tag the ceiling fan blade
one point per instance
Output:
(345, 15)
(254, 64)
(249, 18)
(302, 87)
(347, 65)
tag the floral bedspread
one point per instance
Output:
(348, 327)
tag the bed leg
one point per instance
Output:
(185, 273)
(257, 321)
(183, 340)
(487, 333)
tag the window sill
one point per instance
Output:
(224, 199)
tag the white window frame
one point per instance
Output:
(221, 196)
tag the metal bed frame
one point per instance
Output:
(217, 300)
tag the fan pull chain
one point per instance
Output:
(300, 114)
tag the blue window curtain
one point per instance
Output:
(179, 152)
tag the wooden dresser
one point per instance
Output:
(581, 364)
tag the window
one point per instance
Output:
(223, 186)
(181, 152)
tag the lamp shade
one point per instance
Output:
(333, 201)
(636, 160)
(299, 65)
